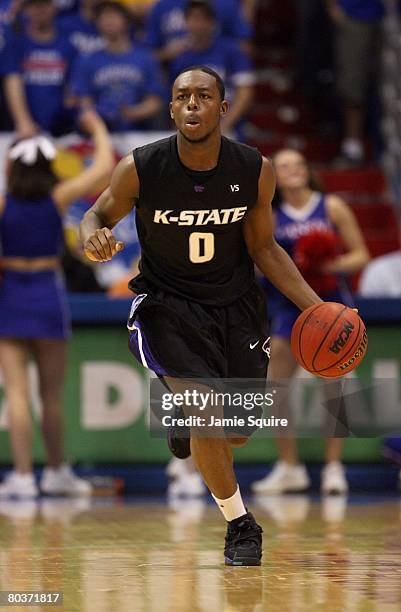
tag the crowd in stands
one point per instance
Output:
(120, 57)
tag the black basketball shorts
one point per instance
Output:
(180, 338)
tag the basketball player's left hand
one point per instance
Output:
(102, 245)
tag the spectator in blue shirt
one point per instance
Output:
(166, 30)
(205, 47)
(80, 28)
(123, 82)
(357, 50)
(8, 12)
(36, 65)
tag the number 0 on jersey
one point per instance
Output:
(201, 247)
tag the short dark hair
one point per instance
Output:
(213, 73)
(106, 5)
(31, 182)
(204, 5)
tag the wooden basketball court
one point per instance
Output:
(111, 555)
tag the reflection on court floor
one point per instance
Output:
(111, 555)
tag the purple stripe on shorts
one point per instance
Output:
(134, 345)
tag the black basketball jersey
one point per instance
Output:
(190, 230)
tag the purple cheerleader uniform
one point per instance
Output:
(32, 304)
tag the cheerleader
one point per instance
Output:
(310, 226)
(34, 317)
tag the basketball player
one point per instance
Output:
(204, 217)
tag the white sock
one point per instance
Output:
(233, 507)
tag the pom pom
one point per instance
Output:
(312, 251)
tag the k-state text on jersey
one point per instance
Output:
(214, 216)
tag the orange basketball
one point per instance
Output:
(329, 339)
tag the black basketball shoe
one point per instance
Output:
(178, 437)
(243, 541)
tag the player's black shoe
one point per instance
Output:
(178, 438)
(243, 541)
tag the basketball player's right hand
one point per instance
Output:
(102, 245)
